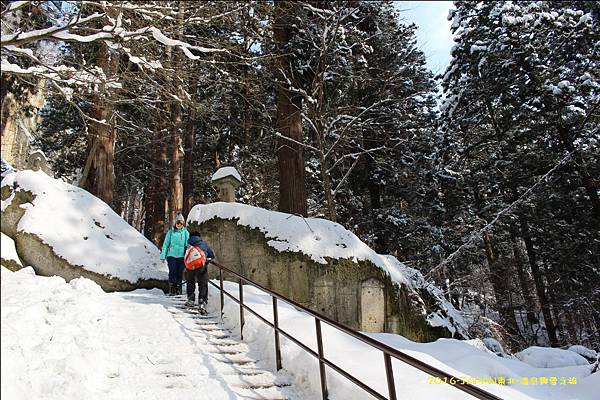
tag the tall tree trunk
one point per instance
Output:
(523, 281)
(149, 203)
(98, 174)
(188, 165)
(160, 184)
(374, 193)
(499, 275)
(325, 178)
(292, 191)
(538, 281)
(176, 189)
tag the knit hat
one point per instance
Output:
(194, 240)
(180, 218)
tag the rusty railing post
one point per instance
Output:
(241, 310)
(324, 392)
(222, 294)
(389, 373)
(276, 327)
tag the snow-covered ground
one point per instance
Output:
(71, 340)
(9, 252)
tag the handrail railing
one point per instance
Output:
(388, 351)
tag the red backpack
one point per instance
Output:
(194, 258)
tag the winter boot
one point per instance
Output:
(202, 308)
(191, 302)
(178, 289)
(171, 290)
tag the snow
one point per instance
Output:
(84, 39)
(51, 31)
(226, 171)
(9, 252)
(475, 48)
(460, 358)
(5, 167)
(544, 357)
(584, 352)
(71, 340)
(15, 5)
(321, 239)
(84, 230)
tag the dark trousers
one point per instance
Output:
(176, 267)
(199, 275)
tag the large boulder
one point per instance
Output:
(60, 229)
(325, 267)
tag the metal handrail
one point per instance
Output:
(388, 351)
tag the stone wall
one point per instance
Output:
(18, 123)
(359, 295)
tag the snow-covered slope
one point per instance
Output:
(71, 340)
(464, 359)
(83, 229)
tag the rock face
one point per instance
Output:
(46, 249)
(357, 294)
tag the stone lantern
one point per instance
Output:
(37, 161)
(227, 180)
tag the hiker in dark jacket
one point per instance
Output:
(197, 273)
(173, 250)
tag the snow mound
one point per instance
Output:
(584, 352)
(83, 229)
(547, 357)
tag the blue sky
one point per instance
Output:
(433, 35)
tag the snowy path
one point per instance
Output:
(73, 341)
(226, 357)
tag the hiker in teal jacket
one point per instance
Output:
(173, 250)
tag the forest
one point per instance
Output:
(486, 178)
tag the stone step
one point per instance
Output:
(230, 357)
(260, 380)
(271, 393)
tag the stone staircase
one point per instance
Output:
(228, 357)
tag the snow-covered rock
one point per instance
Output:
(64, 230)
(588, 354)
(495, 347)
(327, 268)
(548, 357)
